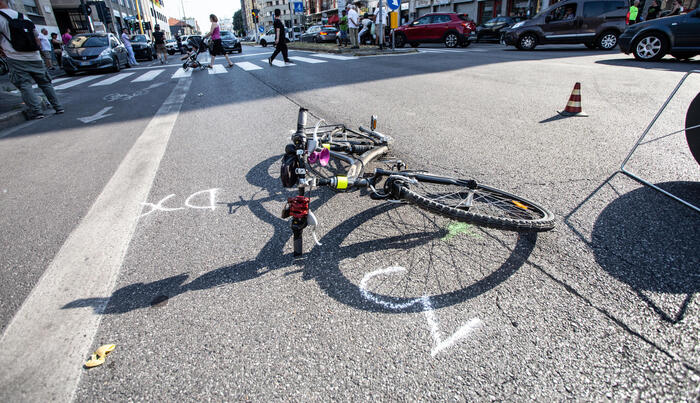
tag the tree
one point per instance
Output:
(238, 21)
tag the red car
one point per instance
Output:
(452, 29)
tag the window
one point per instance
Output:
(113, 42)
(424, 20)
(596, 8)
(441, 19)
(30, 7)
(564, 13)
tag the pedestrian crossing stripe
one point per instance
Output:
(75, 82)
(182, 73)
(247, 66)
(112, 79)
(148, 76)
(334, 57)
(278, 63)
(217, 69)
(306, 59)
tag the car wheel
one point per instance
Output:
(607, 41)
(151, 57)
(527, 42)
(115, 65)
(650, 47)
(263, 43)
(590, 45)
(415, 44)
(451, 40)
(400, 40)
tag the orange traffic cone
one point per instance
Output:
(573, 108)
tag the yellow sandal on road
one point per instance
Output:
(98, 358)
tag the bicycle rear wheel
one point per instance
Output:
(478, 204)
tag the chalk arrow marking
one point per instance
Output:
(99, 115)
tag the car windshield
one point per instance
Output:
(138, 38)
(228, 35)
(491, 22)
(89, 42)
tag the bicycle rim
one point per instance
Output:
(484, 205)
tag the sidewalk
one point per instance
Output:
(11, 104)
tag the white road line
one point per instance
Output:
(247, 66)
(53, 81)
(73, 83)
(217, 69)
(112, 79)
(334, 57)
(278, 63)
(306, 59)
(181, 73)
(148, 76)
(43, 347)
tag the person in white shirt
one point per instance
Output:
(380, 16)
(26, 67)
(353, 24)
(366, 24)
(129, 49)
(46, 48)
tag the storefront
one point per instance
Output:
(517, 8)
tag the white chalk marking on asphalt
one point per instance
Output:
(181, 73)
(75, 82)
(217, 69)
(306, 59)
(334, 57)
(148, 76)
(159, 206)
(247, 66)
(112, 79)
(440, 343)
(99, 115)
(43, 347)
(278, 63)
(212, 199)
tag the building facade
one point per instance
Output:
(40, 12)
(247, 7)
(123, 13)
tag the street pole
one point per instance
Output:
(411, 10)
(380, 34)
(83, 6)
(138, 13)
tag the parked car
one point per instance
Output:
(493, 29)
(186, 40)
(650, 40)
(452, 29)
(595, 23)
(143, 47)
(269, 37)
(171, 46)
(230, 42)
(319, 34)
(94, 52)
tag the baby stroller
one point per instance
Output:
(190, 58)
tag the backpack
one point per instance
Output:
(22, 36)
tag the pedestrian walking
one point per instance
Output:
(129, 49)
(19, 43)
(353, 24)
(46, 48)
(57, 46)
(217, 47)
(633, 13)
(280, 39)
(159, 41)
(66, 37)
(653, 11)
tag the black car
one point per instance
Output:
(318, 34)
(94, 52)
(650, 40)
(492, 29)
(594, 23)
(143, 47)
(229, 42)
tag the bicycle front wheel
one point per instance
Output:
(481, 205)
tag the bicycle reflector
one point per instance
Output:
(373, 123)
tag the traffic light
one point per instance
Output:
(255, 13)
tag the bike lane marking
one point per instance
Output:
(43, 347)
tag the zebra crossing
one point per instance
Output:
(134, 76)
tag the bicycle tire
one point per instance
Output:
(491, 207)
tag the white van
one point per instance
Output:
(269, 37)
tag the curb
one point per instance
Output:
(16, 117)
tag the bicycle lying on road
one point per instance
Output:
(459, 199)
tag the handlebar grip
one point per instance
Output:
(359, 149)
(301, 120)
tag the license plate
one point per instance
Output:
(85, 63)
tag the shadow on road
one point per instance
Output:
(668, 64)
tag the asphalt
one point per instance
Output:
(210, 305)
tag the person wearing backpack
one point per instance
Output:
(19, 43)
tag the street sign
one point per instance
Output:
(393, 4)
(298, 7)
(261, 29)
